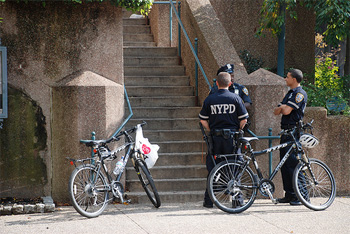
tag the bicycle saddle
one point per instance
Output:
(248, 139)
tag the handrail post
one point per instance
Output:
(270, 154)
(170, 25)
(179, 28)
(93, 137)
(196, 68)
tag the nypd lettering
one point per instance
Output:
(222, 109)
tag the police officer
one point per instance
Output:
(236, 88)
(223, 112)
(292, 110)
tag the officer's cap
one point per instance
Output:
(229, 68)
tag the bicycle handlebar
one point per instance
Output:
(115, 138)
(299, 126)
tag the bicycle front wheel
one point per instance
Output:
(314, 184)
(88, 191)
(147, 182)
(231, 187)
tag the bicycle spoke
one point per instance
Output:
(314, 186)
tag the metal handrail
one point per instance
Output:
(128, 118)
(186, 36)
(4, 98)
(189, 43)
(270, 138)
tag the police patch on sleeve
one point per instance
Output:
(245, 91)
(299, 97)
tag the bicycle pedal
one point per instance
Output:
(127, 202)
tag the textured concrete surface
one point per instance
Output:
(261, 217)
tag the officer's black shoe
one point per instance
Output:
(285, 199)
(295, 202)
(237, 203)
(207, 205)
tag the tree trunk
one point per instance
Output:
(347, 70)
(347, 58)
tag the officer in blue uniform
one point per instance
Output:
(236, 88)
(222, 113)
(292, 110)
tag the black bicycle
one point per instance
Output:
(233, 185)
(90, 182)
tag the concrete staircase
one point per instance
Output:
(160, 94)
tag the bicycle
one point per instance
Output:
(90, 182)
(233, 185)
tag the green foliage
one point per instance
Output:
(273, 14)
(328, 87)
(250, 63)
(334, 14)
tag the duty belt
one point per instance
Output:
(225, 133)
(287, 126)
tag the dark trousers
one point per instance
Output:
(220, 146)
(287, 169)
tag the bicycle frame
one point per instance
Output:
(268, 150)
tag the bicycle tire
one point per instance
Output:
(223, 186)
(88, 198)
(314, 196)
(147, 182)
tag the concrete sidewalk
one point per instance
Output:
(261, 217)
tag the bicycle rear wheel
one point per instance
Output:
(88, 191)
(314, 184)
(232, 188)
(147, 182)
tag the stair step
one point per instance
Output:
(156, 91)
(165, 185)
(154, 71)
(156, 80)
(138, 44)
(167, 197)
(137, 29)
(181, 101)
(173, 135)
(131, 21)
(151, 61)
(179, 159)
(171, 172)
(179, 146)
(167, 112)
(150, 51)
(168, 123)
(129, 37)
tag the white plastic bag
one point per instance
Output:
(149, 150)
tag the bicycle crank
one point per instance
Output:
(117, 189)
(267, 188)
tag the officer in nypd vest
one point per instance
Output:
(236, 88)
(222, 113)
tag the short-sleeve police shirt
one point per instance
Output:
(241, 91)
(238, 89)
(297, 99)
(223, 109)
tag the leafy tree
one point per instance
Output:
(332, 14)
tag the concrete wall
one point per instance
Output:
(240, 18)
(334, 148)
(47, 44)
